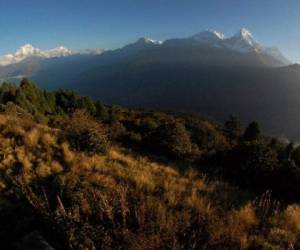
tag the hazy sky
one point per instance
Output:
(80, 24)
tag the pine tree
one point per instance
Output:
(252, 132)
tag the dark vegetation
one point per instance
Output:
(66, 178)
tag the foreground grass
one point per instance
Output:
(123, 201)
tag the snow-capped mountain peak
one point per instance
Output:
(28, 50)
(246, 36)
(220, 35)
(149, 41)
(208, 36)
(244, 33)
(58, 52)
(243, 41)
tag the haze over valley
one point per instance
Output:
(206, 73)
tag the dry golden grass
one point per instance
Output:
(120, 199)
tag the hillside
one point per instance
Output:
(78, 174)
(53, 196)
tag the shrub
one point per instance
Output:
(252, 132)
(251, 164)
(85, 134)
(173, 139)
(233, 129)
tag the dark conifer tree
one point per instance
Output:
(252, 132)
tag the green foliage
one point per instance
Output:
(86, 103)
(32, 99)
(7, 93)
(101, 112)
(206, 135)
(174, 139)
(65, 101)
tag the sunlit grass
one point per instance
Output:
(120, 198)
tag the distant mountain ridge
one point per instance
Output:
(243, 41)
(205, 73)
(29, 51)
(26, 51)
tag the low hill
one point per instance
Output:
(78, 174)
(55, 197)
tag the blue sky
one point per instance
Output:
(79, 24)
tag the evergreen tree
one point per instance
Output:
(87, 104)
(173, 139)
(101, 112)
(232, 128)
(252, 132)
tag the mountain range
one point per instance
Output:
(206, 73)
(243, 42)
(27, 51)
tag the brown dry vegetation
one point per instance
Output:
(124, 201)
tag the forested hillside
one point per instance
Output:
(78, 174)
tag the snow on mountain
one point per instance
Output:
(140, 44)
(146, 40)
(243, 41)
(58, 52)
(29, 51)
(209, 36)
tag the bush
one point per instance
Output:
(251, 164)
(172, 139)
(85, 134)
(252, 132)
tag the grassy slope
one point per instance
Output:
(121, 200)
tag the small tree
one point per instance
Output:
(87, 104)
(101, 111)
(252, 132)
(252, 163)
(232, 128)
(173, 138)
